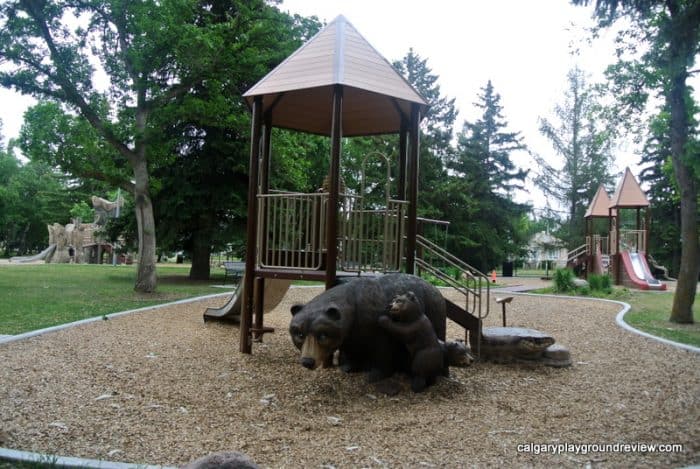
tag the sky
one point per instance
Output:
(523, 47)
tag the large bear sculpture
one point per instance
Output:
(344, 318)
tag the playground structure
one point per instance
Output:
(78, 242)
(338, 85)
(623, 252)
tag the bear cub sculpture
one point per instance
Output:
(457, 354)
(407, 322)
(345, 319)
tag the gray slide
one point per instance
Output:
(275, 289)
(37, 257)
(231, 311)
(641, 270)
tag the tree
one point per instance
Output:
(31, 196)
(487, 224)
(9, 166)
(585, 149)
(435, 147)
(664, 232)
(671, 30)
(436, 133)
(139, 45)
(202, 203)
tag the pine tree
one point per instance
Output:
(485, 220)
(663, 195)
(585, 149)
(436, 133)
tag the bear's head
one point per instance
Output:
(405, 308)
(458, 354)
(317, 333)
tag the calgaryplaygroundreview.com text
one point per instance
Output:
(590, 448)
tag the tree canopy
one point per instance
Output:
(175, 69)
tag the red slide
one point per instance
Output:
(637, 270)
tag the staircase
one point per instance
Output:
(574, 254)
(467, 280)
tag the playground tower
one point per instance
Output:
(623, 252)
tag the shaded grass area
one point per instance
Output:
(39, 296)
(649, 312)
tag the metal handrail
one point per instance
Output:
(469, 274)
(574, 253)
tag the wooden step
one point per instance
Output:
(467, 320)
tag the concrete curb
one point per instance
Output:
(619, 319)
(26, 335)
(70, 462)
(7, 454)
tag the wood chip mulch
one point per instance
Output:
(162, 387)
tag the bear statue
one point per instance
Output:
(345, 318)
(456, 354)
(408, 322)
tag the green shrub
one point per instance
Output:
(564, 280)
(600, 283)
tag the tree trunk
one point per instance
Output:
(146, 280)
(201, 253)
(682, 310)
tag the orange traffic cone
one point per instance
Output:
(493, 276)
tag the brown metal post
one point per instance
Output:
(639, 227)
(259, 289)
(265, 182)
(647, 229)
(401, 185)
(414, 135)
(333, 198)
(251, 232)
(265, 165)
(618, 272)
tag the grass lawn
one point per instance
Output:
(44, 295)
(650, 313)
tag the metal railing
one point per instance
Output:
(457, 274)
(372, 240)
(291, 230)
(576, 252)
(597, 243)
(633, 240)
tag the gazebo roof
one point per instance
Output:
(628, 193)
(599, 205)
(300, 89)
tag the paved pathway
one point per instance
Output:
(520, 284)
